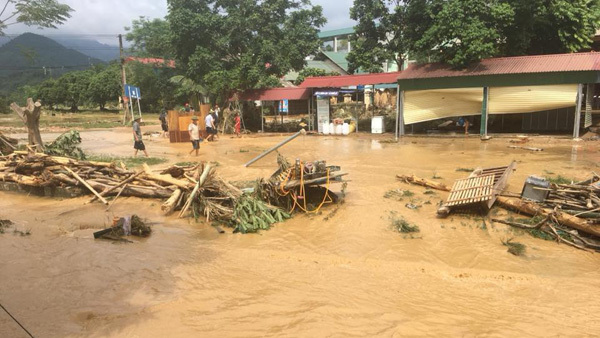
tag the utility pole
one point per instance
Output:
(123, 79)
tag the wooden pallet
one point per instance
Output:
(480, 189)
(471, 190)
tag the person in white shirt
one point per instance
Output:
(194, 135)
(210, 127)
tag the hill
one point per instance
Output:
(31, 58)
(89, 47)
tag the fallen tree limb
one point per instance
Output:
(412, 179)
(170, 205)
(533, 209)
(188, 203)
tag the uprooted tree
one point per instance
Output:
(30, 114)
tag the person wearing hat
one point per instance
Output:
(194, 135)
(138, 144)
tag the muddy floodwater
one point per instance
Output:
(344, 272)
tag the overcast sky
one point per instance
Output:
(109, 17)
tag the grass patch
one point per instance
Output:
(186, 164)
(389, 140)
(559, 179)
(467, 170)
(130, 162)
(429, 192)
(398, 194)
(244, 151)
(436, 176)
(515, 248)
(402, 225)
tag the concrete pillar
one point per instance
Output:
(577, 123)
(484, 112)
(399, 113)
(335, 44)
(349, 45)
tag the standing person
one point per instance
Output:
(209, 121)
(138, 144)
(163, 122)
(187, 108)
(238, 124)
(194, 135)
(215, 119)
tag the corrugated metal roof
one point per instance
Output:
(336, 32)
(274, 94)
(573, 62)
(339, 58)
(349, 80)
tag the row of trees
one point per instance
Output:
(459, 32)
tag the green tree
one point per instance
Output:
(41, 13)
(73, 88)
(551, 26)
(105, 85)
(229, 45)
(150, 38)
(308, 72)
(369, 43)
(465, 31)
(48, 93)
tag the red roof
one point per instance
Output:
(573, 62)
(274, 94)
(349, 80)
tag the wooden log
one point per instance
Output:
(201, 181)
(533, 209)
(169, 206)
(74, 174)
(412, 179)
(165, 178)
(122, 183)
(20, 179)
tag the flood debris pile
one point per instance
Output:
(100, 178)
(256, 205)
(568, 213)
(125, 226)
(216, 200)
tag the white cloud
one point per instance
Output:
(110, 17)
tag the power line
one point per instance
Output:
(16, 321)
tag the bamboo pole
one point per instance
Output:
(86, 184)
(195, 191)
(122, 183)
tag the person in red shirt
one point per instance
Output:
(238, 124)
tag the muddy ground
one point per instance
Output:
(344, 272)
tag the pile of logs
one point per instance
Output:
(100, 178)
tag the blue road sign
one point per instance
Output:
(132, 92)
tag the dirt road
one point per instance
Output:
(349, 275)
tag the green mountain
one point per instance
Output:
(30, 58)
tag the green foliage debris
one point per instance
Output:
(514, 248)
(401, 225)
(250, 214)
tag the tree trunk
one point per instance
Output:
(533, 209)
(30, 115)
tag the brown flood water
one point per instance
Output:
(348, 275)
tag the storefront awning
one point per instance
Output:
(273, 94)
